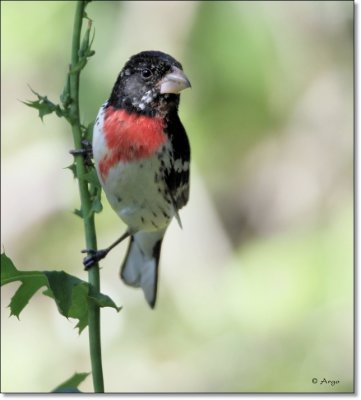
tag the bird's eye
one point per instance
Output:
(146, 73)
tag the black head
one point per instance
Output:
(149, 84)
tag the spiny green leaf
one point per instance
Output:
(62, 284)
(45, 106)
(77, 309)
(31, 282)
(7, 269)
(42, 106)
(70, 293)
(24, 293)
(104, 301)
(71, 296)
(71, 385)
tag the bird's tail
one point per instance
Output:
(140, 267)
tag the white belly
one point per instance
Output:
(137, 196)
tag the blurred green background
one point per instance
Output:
(256, 291)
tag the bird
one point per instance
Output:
(142, 157)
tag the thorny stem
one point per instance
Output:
(88, 216)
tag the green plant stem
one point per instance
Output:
(88, 216)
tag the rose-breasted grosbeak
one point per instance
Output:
(141, 153)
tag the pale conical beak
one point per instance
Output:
(174, 82)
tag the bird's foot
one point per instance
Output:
(86, 151)
(93, 257)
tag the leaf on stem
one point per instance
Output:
(85, 50)
(45, 106)
(71, 294)
(71, 384)
(31, 282)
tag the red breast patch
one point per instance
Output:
(129, 137)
